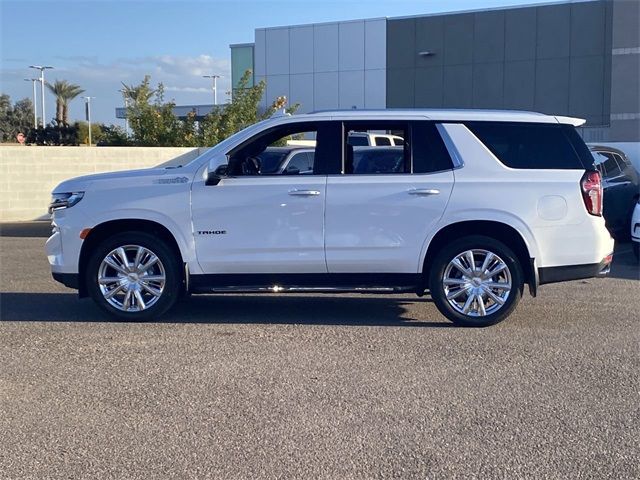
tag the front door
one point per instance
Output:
(257, 221)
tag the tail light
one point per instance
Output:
(591, 184)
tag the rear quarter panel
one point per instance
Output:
(544, 206)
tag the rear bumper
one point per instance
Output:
(575, 272)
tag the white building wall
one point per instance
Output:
(324, 66)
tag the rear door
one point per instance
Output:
(379, 214)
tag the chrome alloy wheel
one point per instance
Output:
(477, 283)
(131, 278)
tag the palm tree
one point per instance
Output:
(64, 92)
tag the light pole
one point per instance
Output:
(125, 99)
(42, 68)
(214, 85)
(35, 103)
(88, 114)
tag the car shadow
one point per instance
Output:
(33, 229)
(229, 309)
(624, 266)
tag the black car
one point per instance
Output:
(621, 184)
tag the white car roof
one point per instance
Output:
(455, 115)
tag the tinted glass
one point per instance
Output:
(606, 164)
(429, 151)
(378, 160)
(528, 145)
(382, 158)
(248, 158)
(622, 162)
(357, 140)
(270, 161)
(300, 161)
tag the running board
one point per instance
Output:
(307, 283)
(304, 289)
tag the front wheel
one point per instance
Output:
(476, 281)
(134, 276)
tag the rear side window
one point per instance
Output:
(532, 145)
(429, 151)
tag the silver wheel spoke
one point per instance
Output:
(493, 296)
(487, 262)
(455, 294)
(470, 259)
(127, 300)
(123, 258)
(153, 291)
(149, 264)
(152, 278)
(139, 254)
(458, 264)
(480, 301)
(111, 293)
(109, 280)
(139, 300)
(467, 304)
(496, 270)
(503, 286)
(112, 263)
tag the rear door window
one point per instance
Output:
(530, 145)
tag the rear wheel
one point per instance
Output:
(476, 281)
(134, 276)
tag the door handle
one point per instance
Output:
(423, 191)
(304, 193)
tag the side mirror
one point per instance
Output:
(213, 179)
(292, 170)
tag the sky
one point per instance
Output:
(101, 44)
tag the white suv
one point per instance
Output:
(476, 205)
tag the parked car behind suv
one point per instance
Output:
(474, 206)
(286, 160)
(621, 185)
(635, 231)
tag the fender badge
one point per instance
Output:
(169, 181)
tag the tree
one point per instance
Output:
(83, 132)
(153, 122)
(14, 118)
(240, 113)
(64, 92)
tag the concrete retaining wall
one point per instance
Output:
(28, 174)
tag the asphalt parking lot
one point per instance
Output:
(248, 386)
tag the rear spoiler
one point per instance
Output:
(576, 122)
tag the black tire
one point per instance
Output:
(635, 247)
(449, 253)
(167, 258)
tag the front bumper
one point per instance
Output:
(70, 280)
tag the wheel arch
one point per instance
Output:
(497, 230)
(111, 227)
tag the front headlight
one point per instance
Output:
(64, 200)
